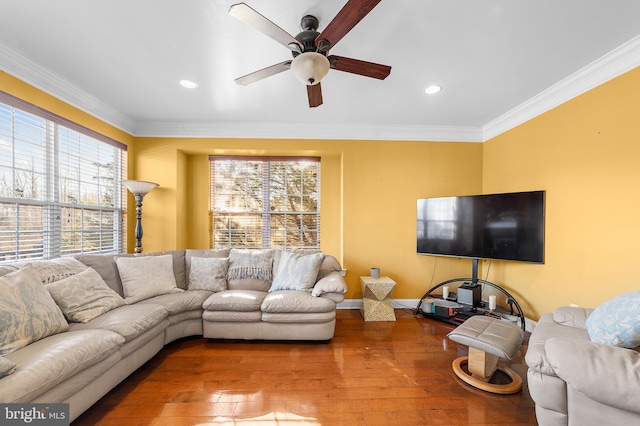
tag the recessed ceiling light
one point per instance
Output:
(432, 90)
(188, 84)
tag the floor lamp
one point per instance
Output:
(139, 189)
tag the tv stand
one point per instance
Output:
(459, 313)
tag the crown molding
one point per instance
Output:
(16, 64)
(309, 131)
(617, 62)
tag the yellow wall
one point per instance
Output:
(369, 192)
(24, 91)
(586, 155)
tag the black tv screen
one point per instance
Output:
(495, 226)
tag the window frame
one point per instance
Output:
(267, 212)
(61, 138)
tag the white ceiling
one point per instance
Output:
(500, 62)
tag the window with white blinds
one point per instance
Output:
(60, 186)
(265, 202)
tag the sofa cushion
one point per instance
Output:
(296, 271)
(232, 316)
(191, 253)
(176, 303)
(178, 257)
(299, 317)
(78, 384)
(329, 263)
(617, 321)
(46, 363)
(106, 266)
(7, 367)
(208, 273)
(287, 301)
(129, 321)
(27, 311)
(146, 276)
(84, 296)
(54, 269)
(250, 269)
(235, 300)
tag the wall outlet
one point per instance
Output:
(573, 305)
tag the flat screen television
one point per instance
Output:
(506, 226)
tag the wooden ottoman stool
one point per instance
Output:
(489, 339)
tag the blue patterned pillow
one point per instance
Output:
(617, 321)
(297, 271)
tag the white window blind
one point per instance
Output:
(265, 202)
(60, 186)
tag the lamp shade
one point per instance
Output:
(310, 67)
(139, 186)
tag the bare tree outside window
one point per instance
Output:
(265, 202)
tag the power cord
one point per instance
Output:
(433, 272)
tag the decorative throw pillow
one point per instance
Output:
(27, 310)
(146, 276)
(208, 273)
(297, 271)
(190, 253)
(53, 270)
(84, 296)
(255, 264)
(617, 321)
(178, 265)
(104, 265)
(7, 367)
(4, 270)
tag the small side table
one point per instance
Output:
(376, 299)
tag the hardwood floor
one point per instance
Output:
(371, 373)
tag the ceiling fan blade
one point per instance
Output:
(344, 21)
(246, 14)
(263, 73)
(356, 66)
(315, 95)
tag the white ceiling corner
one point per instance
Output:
(120, 61)
(615, 63)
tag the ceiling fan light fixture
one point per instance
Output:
(433, 89)
(310, 67)
(188, 84)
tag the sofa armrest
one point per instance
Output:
(572, 316)
(333, 282)
(607, 374)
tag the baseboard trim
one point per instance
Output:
(397, 304)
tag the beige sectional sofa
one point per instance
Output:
(72, 329)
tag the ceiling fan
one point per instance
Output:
(310, 48)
